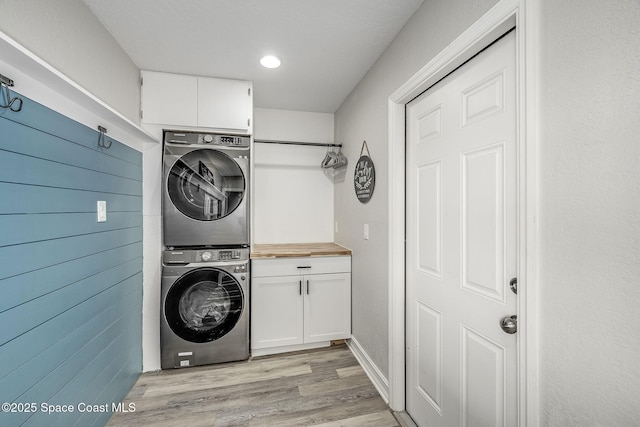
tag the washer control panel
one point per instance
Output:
(188, 256)
(220, 255)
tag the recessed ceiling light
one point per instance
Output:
(270, 61)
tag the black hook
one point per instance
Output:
(6, 83)
(101, 138)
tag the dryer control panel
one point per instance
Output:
(229, 255)
(201, 138)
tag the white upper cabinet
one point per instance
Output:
(169, 99)
(224, 104)
(191, 101)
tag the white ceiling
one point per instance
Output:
(326, 46)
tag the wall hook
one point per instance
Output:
(6, 82)
(102, 141)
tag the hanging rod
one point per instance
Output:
(313, 144)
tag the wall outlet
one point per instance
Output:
(365, 232)
(102, 210)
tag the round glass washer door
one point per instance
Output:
(204, 305)
(206, 185)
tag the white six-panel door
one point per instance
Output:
(461, 245)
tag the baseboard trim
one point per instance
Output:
(288, 348)
(375, 375)
(404, 419)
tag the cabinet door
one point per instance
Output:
(276, 311)
(327, 307)
(224, 104)
(169, 99)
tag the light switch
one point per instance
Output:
(102, 211)
(365, 232)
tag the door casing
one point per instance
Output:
(506, 14)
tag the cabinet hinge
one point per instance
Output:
(248, 122)
(141, 81)
(140, 114)
(249, 91)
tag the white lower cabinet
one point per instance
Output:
(299, 301)
(277, 312)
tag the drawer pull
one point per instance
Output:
(304, 266)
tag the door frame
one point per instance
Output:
(506, 14)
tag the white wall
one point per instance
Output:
(152, 225)
(363, 116)
(590, 213)
(65, 34)
(293, 196)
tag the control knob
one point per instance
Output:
(208, 138)
(206, 256)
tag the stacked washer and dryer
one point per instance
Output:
(205, 264)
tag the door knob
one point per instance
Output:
(509, 324)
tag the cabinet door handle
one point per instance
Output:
(300, 287)
(307, 287)
(303, 266)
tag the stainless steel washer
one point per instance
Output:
(205, 198)
(204, 307)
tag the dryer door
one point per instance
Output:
(204, 305)
(206, 184)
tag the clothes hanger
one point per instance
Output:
(342, 159)
(330, 159)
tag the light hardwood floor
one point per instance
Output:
(325, 387)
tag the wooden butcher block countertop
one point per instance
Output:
(283, 250)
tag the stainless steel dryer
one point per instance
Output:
(204, 307)
(206, 189)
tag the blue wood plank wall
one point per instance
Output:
(70, 287)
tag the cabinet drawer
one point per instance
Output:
(297, 266)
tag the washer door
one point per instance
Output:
(204, 305)
(206, 185)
